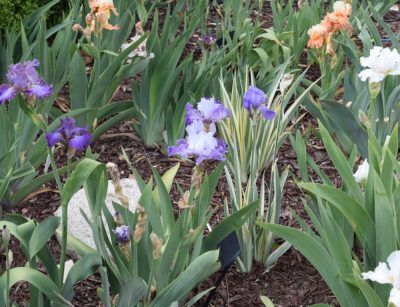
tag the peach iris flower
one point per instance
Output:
(317, 35)
(338, 20)
(98, 17)
(101, 10)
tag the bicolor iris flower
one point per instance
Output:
(200, 141)
(254, 99)
(23, 78)
(75, 137)
(141, 50)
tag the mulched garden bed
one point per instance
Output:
(291, 282)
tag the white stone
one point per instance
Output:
(77, 225)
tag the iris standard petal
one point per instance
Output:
(191, 114)
(212, 110)
(67, 126)
(253, 98)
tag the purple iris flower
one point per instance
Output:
(23, 78)
(200, 141)
(123, 234)
(76, 137)
(209, 39)
(254, 99)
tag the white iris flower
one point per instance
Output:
(388, 274)
(361, 175)
(380, 63)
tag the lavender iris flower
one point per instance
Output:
(200, 141)
(23, 78)
(76, 137)
(254, 99)
(123, 234)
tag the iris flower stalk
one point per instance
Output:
(76, 139)
(254, 100)
(201, 142)
(5, 236)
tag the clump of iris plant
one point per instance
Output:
(254, 100)
(24, 79)
(201, 142)
(74, 137)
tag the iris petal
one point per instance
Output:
(253, 98)
(67, 126)
(181, 149)
(6, 93)
(80, 142)
(53, 138)
(267, 113)
(41, 91)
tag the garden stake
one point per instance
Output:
(229, 250)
